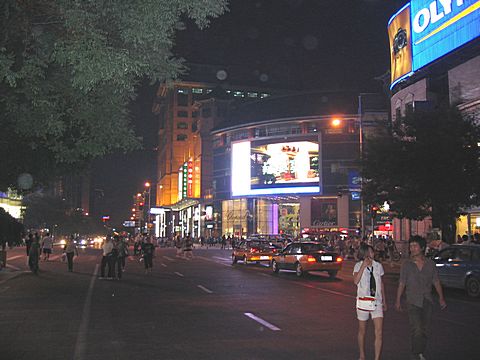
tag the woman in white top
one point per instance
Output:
(367, 275)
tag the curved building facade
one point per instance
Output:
(290, 164)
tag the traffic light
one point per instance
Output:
(374, 210)
(140, 206)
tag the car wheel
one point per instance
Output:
(234, 260)
(245, 259)
(332, 274)
(299, 270)
(473, 287)
(275, 268)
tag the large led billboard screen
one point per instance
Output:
(431, 29)
(266, 168)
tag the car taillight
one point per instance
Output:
(310, 258)
(253, 250)
(339, 259)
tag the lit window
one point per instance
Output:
(264, 95)
(238, 94)
(182, 91)
(252, 94)
(182, 125)
(181, 137)
(197, 90)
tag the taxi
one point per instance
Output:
(303, 257)
(254, 251)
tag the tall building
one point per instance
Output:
(435, 59)
(187, 111)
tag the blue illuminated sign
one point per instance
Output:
(438, 27)
(434, 28)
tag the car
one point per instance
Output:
(253, 250)
(459, 267)
(303, 257)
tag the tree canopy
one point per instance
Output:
(427, 165)
(68, 70)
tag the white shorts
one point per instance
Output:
(364, 315)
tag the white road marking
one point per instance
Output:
(14, 257)
(179, 274)
(222, 258)
(164, 265)
(205, 289)
(55, 257)
(168, 258)
(327, 291)
(81, 343)
(214, 261)
(13, 267)
(261, 321)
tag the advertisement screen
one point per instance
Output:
(287, 167)
(324, 212)
(425, 30)
(400, 44)
(438, 27)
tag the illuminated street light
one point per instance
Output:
(336, 122)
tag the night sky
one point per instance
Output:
(297, 44)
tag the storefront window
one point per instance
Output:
(235, 215)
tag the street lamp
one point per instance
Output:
(149, 189)
(336, 123)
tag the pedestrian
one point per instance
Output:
(70, 251)
(188, 248)
(28, 242)
(122, 252)
(118, 256)
(417, 276)
(178, 245)
(107, 248)
(47, 245)
(371, 302)
(148, 253)
(34, 255)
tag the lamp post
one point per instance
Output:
(148, 191)
(337, 122)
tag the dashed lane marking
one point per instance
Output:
(14, 257)
(179, 274)
(205, 289)
(168, 258)
(261, 321)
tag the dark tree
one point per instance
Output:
(426, 165)
(69, 69)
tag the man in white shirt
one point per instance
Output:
(47, 245)
(107, 254)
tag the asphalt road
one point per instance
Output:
(205, 309)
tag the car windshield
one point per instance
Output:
(259, 244)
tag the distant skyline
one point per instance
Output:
(300, 44)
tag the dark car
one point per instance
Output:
(459, 267)
(303, 257)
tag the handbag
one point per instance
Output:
(366, 303)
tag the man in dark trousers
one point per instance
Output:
(417, 276)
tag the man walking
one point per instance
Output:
(417, 276)
(47, 245)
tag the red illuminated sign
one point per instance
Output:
(190, 178)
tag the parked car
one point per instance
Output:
(459, 267)
(253, 250)
(303, 257)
